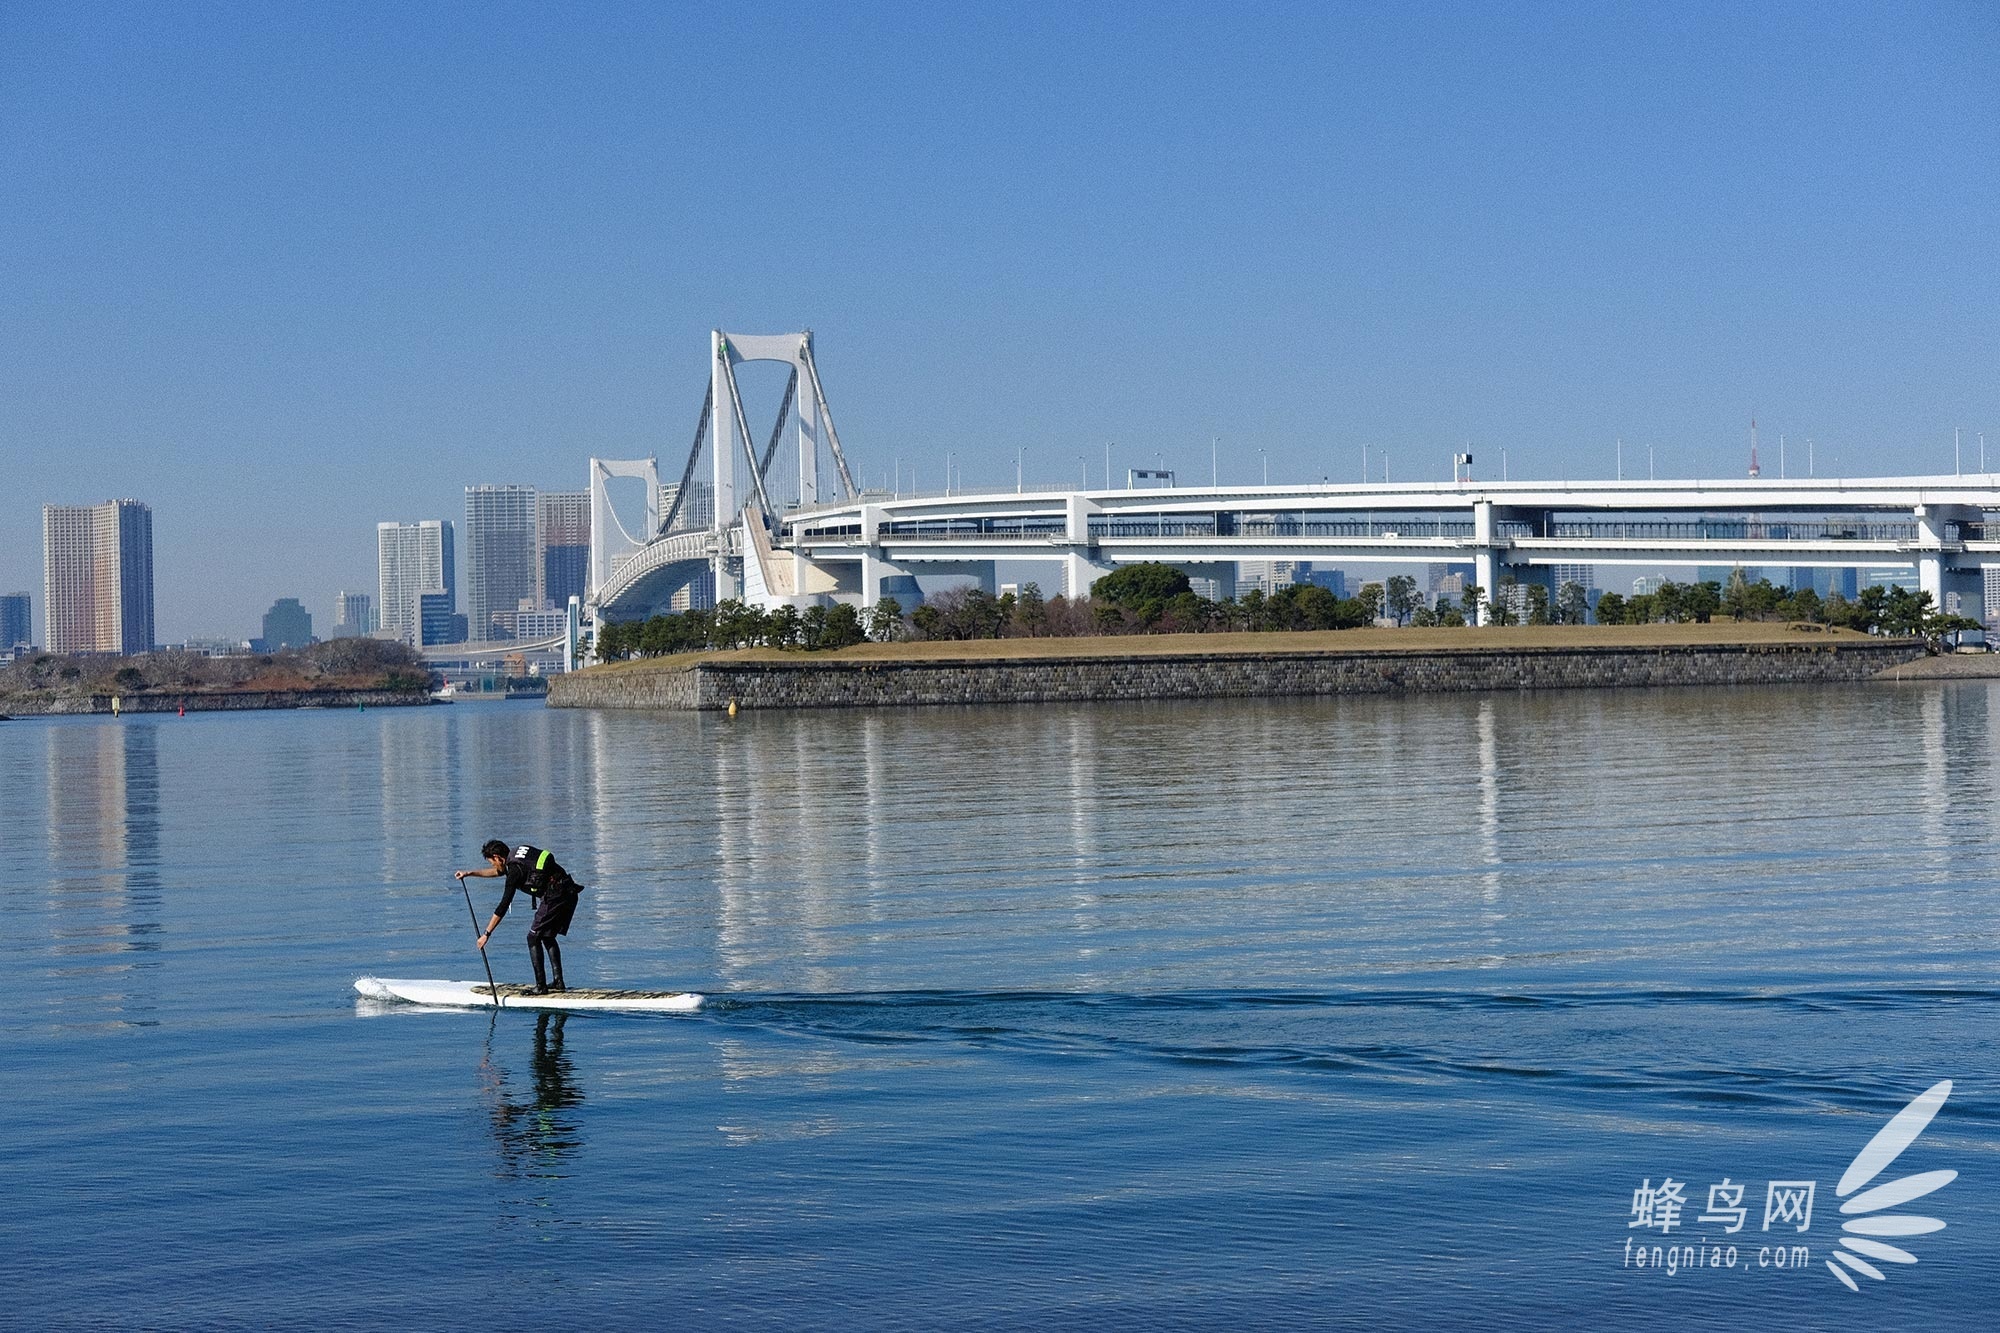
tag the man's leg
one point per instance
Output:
(535, 957)
(555, 964)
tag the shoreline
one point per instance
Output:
(1239, 666)
(231, 701)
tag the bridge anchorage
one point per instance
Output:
(780, 528)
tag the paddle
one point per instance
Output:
(491, 985)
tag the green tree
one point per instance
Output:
(1031, 612)
(1703, 599)
(1400, 596)
(1469, 602)
(1538, 604)
(1251, 611)
(1803, 605)
(1736, 595)
(1906, 612)
(1140, 585)
(1372, 596)
(839, 627)
(1141, 589)
(1572, 603)
(1611, 609)
(885, 620)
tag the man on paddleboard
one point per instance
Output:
(534, 872)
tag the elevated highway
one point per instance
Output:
(1935, 526)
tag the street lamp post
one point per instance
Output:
(1266, 460)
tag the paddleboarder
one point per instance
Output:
(534, 872)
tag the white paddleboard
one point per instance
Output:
(478, 995)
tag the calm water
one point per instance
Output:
(1367, 1013)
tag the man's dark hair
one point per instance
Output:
(494, 847)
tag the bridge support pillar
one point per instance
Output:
(1079, 572)
(875, 571)
(1485, 557)
(1938, 538)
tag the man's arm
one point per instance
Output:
(499, 909)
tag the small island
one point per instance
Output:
(341, 673)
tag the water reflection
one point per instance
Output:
(535, 1127)
(422, 782)
(103, 830)
(1489, 826)
(1113, 845)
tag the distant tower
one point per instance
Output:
(97, 577)
(562, 544)
(500, 529)
(414, 562)
(1754, 469)
(287, 625)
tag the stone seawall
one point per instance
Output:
(833, 683)
(234, 701)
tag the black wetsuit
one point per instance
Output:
(535, 872)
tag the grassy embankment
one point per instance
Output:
(1303, 641)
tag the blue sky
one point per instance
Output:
(287, 271)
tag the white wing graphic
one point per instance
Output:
(1872, 1160)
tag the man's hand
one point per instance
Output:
(482, 944)
(458, 875)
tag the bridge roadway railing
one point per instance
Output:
(1725, 530)
(670, 548)
(1693, 533)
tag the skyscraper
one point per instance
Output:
(697, 512)
(1585, 576)
(500, 562)
(412, 559)
(562, 546)
(17, 626)
(287, 625)
(353, 615)
(97, 577)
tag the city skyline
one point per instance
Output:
(1304, 232)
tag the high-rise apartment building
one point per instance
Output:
(698, 512)
(412, 559)
(1584, 576)
(562, 547)
(353, 615)
(17, 626)
(500, 524)
(97, 577)
(1333, 580)
(698, 594)
(287, 625)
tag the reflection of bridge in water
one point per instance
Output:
(789, 527)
